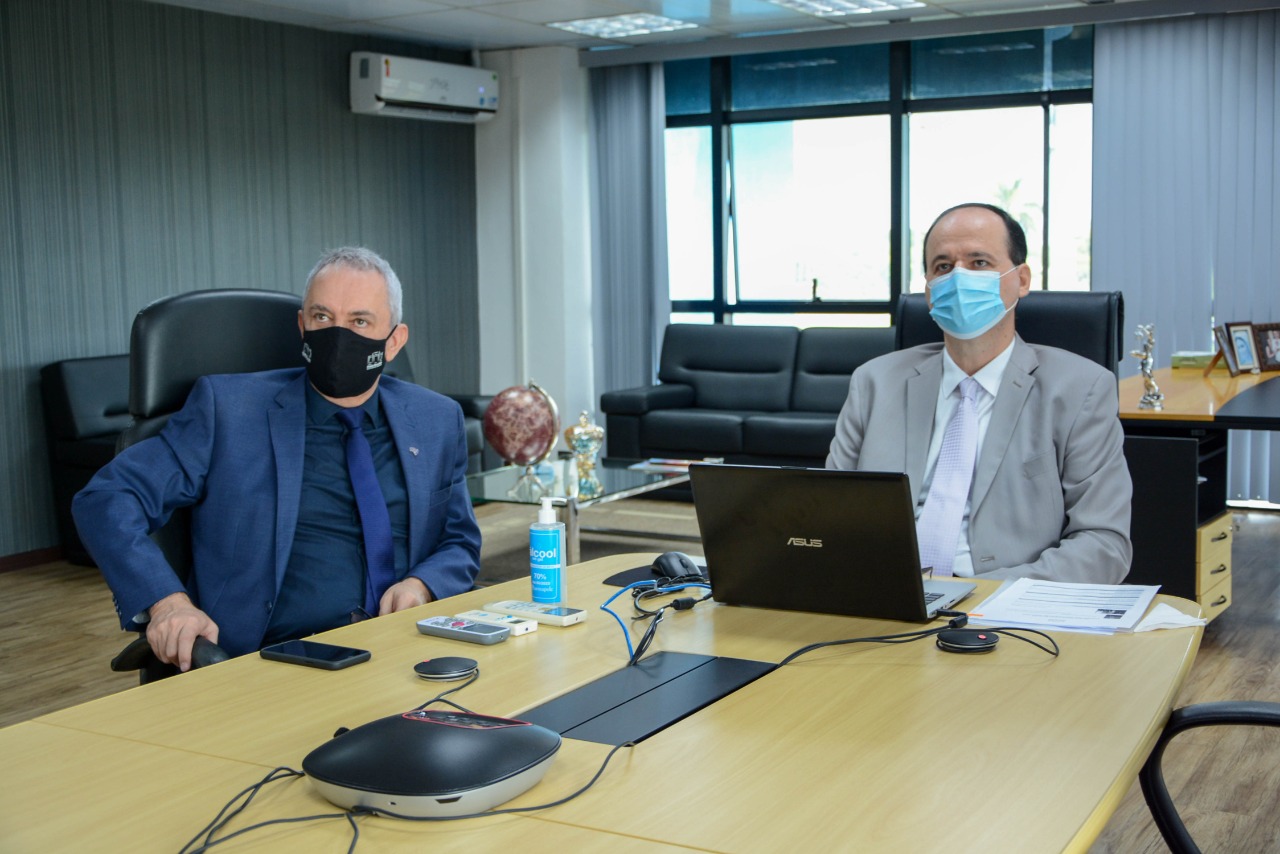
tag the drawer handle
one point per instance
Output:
(1222, 600)
(1220, 537)
(1222, 567)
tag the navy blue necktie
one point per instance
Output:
(375, 521)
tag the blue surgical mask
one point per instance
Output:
(967, 303)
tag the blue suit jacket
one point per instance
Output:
(234, 453)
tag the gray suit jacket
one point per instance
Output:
(1051, 493)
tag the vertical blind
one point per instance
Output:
(1186, 196)
(629, 240)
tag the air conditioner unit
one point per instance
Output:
(384, 85)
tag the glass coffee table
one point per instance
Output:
(618, 482)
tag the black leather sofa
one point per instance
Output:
(765, 395)
(86, 405)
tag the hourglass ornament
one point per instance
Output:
(585, 440)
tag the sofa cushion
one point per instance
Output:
(794, 434)
(86, 397)
(731, 367)
(710, 432)
(825, 359)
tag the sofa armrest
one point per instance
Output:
(473, 405)
(638, 401)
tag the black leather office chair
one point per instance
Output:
(1089, 323)
(175, 341)
(1235, 713)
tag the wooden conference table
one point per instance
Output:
(858, 748)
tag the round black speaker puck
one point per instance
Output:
(967, 640)
(446, 668)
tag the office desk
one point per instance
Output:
(867, 747)
(1192, 400)
(1177, 456)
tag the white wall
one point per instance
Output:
(534, 226)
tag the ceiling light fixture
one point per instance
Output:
(839, 8)
(621, 26)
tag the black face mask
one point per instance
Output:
(342, 363)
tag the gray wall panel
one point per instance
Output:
(147, 150)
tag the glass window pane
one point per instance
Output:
(988, 64)
(811, 203)
(704, 317)
(689, 229)
(803, 78)
(687, 83)
(1070, 196)
(1069, 52)
(991, 156)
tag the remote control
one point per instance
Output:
(518, 625)
(463, 630)
(552, 615)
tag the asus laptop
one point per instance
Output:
(831, 542)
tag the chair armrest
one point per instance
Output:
(638, 401)
(138, 655)
(1154, 790)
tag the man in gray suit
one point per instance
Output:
(1049, 493)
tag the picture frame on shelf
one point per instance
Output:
(1243, 347)
(1226, 352)
(1267, 338)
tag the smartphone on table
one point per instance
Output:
(315, 654)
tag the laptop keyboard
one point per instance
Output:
(931, 596)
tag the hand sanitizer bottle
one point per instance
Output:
(546, 556)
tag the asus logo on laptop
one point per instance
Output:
(801, 541)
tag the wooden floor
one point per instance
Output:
(57, 632)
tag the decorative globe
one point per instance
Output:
(522, 424)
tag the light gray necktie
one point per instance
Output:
(938, 528)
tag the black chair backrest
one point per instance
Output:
(178, 339)
(1088, 323)
(400, 368)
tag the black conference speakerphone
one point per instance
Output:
(636, 702)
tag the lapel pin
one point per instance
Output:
(413, 450)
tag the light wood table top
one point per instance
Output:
(864, 747)
(68, 790)
(1189, 394)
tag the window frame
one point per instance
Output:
(899, 107)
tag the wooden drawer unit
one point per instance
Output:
(1213, 554)
(1216, 599)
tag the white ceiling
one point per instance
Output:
(493, 24)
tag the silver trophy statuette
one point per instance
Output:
(1152, 398)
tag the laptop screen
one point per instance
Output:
(835, 542)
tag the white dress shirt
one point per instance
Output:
(989, 377)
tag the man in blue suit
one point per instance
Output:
(277, 542)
